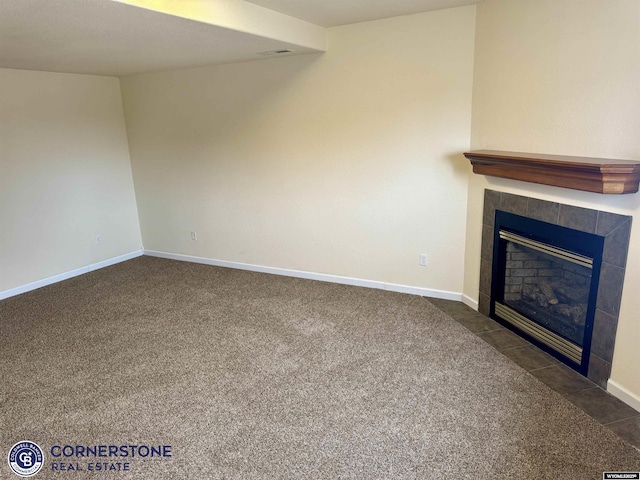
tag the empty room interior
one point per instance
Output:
(320, 239)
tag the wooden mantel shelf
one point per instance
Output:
(600, 175)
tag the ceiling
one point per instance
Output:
(331, 13)
(125, 37)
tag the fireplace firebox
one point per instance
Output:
(545, 284)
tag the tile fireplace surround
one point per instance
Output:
(616, 230)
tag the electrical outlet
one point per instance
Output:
(98, 239)
(194, 236)
(423, 259)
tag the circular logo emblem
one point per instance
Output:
(25, 458)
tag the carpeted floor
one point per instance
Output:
(252, 376)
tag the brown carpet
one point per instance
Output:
(252, 376)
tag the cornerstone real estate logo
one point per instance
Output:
(25, 458)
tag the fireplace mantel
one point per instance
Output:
(600, 175)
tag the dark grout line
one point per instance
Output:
(515, 347)
(595, 387)
(621, 420)
(552, 366)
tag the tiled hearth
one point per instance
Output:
(614, 228)
(586, 395)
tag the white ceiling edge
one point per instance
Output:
(117, 38)
(242, 16)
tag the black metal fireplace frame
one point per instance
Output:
(587, 244)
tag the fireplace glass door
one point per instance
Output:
(543, 289)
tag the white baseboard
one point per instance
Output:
(623, 394)
(70, 274)
(358, 282)
(470, 302)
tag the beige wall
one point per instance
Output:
(65, 175)
(347, 163)
(561, 77)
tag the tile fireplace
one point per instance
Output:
(553, 273)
